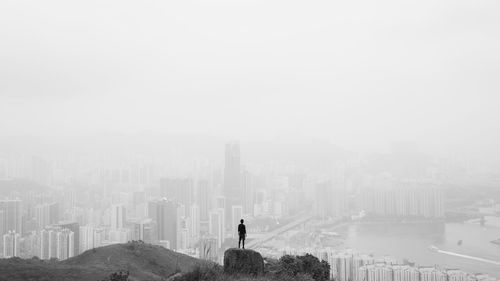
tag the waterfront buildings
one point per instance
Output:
(347, 265)
(403, 202)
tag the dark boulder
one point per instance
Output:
(239, 261)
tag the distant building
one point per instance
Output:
(75, 228)
(65, 244)
(417, 202)
(232, 178)
(118, 216)
(90, 237)
(11, 216)
(57, 243)
(248, 190)
(194, 223)
(179, 190)
(165, 213)
(331, 201)
(11, 244)
(204, 198)
(46, 214)
(121, 235)
(145, 230)
(217, 225)
(237, 215)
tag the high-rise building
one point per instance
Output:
(296, 181)
(46, 214)
(120, 235)
(232, 178)
(331, 201)
(378, 272)
(204, 198)
(165, 213)
(75, 228)
(180, 190)
(232, 167)
(236, 215)
(456, 275)
(405, 273)
(118, 216)
(11, 216)
(56, 242)
(183, 239)
(11, 244)
(426, 202)
(195, 223)
(65, 244)
(248, 193)
(217, 225)
(44, 244)
(29, 245)
(145, 230)
(90, 237)
(431, 274)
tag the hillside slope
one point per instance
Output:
(143, 261)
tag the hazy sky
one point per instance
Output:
(354, 73)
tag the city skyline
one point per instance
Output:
(358, 141)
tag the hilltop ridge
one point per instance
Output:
(142, 261)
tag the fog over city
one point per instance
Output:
(364, 133)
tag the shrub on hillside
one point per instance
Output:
(291, 266)
(117, 276)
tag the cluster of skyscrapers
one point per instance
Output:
(197, 214)
(188, 214)
(347, 265)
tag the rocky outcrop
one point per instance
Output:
(239, 261)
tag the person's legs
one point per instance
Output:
(239, 243)
(243, 238)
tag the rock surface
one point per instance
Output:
(241, 261)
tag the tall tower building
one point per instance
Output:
(248, 193)
(44, 244)
(75, 228)
(204, 198)
(232, 178)
(236, 215)
(65, 244)
(11, 216)
(46, 214)
(195, 222)
(330, 201)
(217, 225)
(179, 190)
(165, 213)
(11, 244)
(232, 167)
(145, 230)
(90, 237)
(118, 216)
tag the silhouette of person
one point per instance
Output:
(242, 233)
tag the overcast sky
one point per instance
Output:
(357, 73)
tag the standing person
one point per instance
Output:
(242, 233)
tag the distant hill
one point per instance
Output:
(143, 261)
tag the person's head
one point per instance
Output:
(241, 220)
